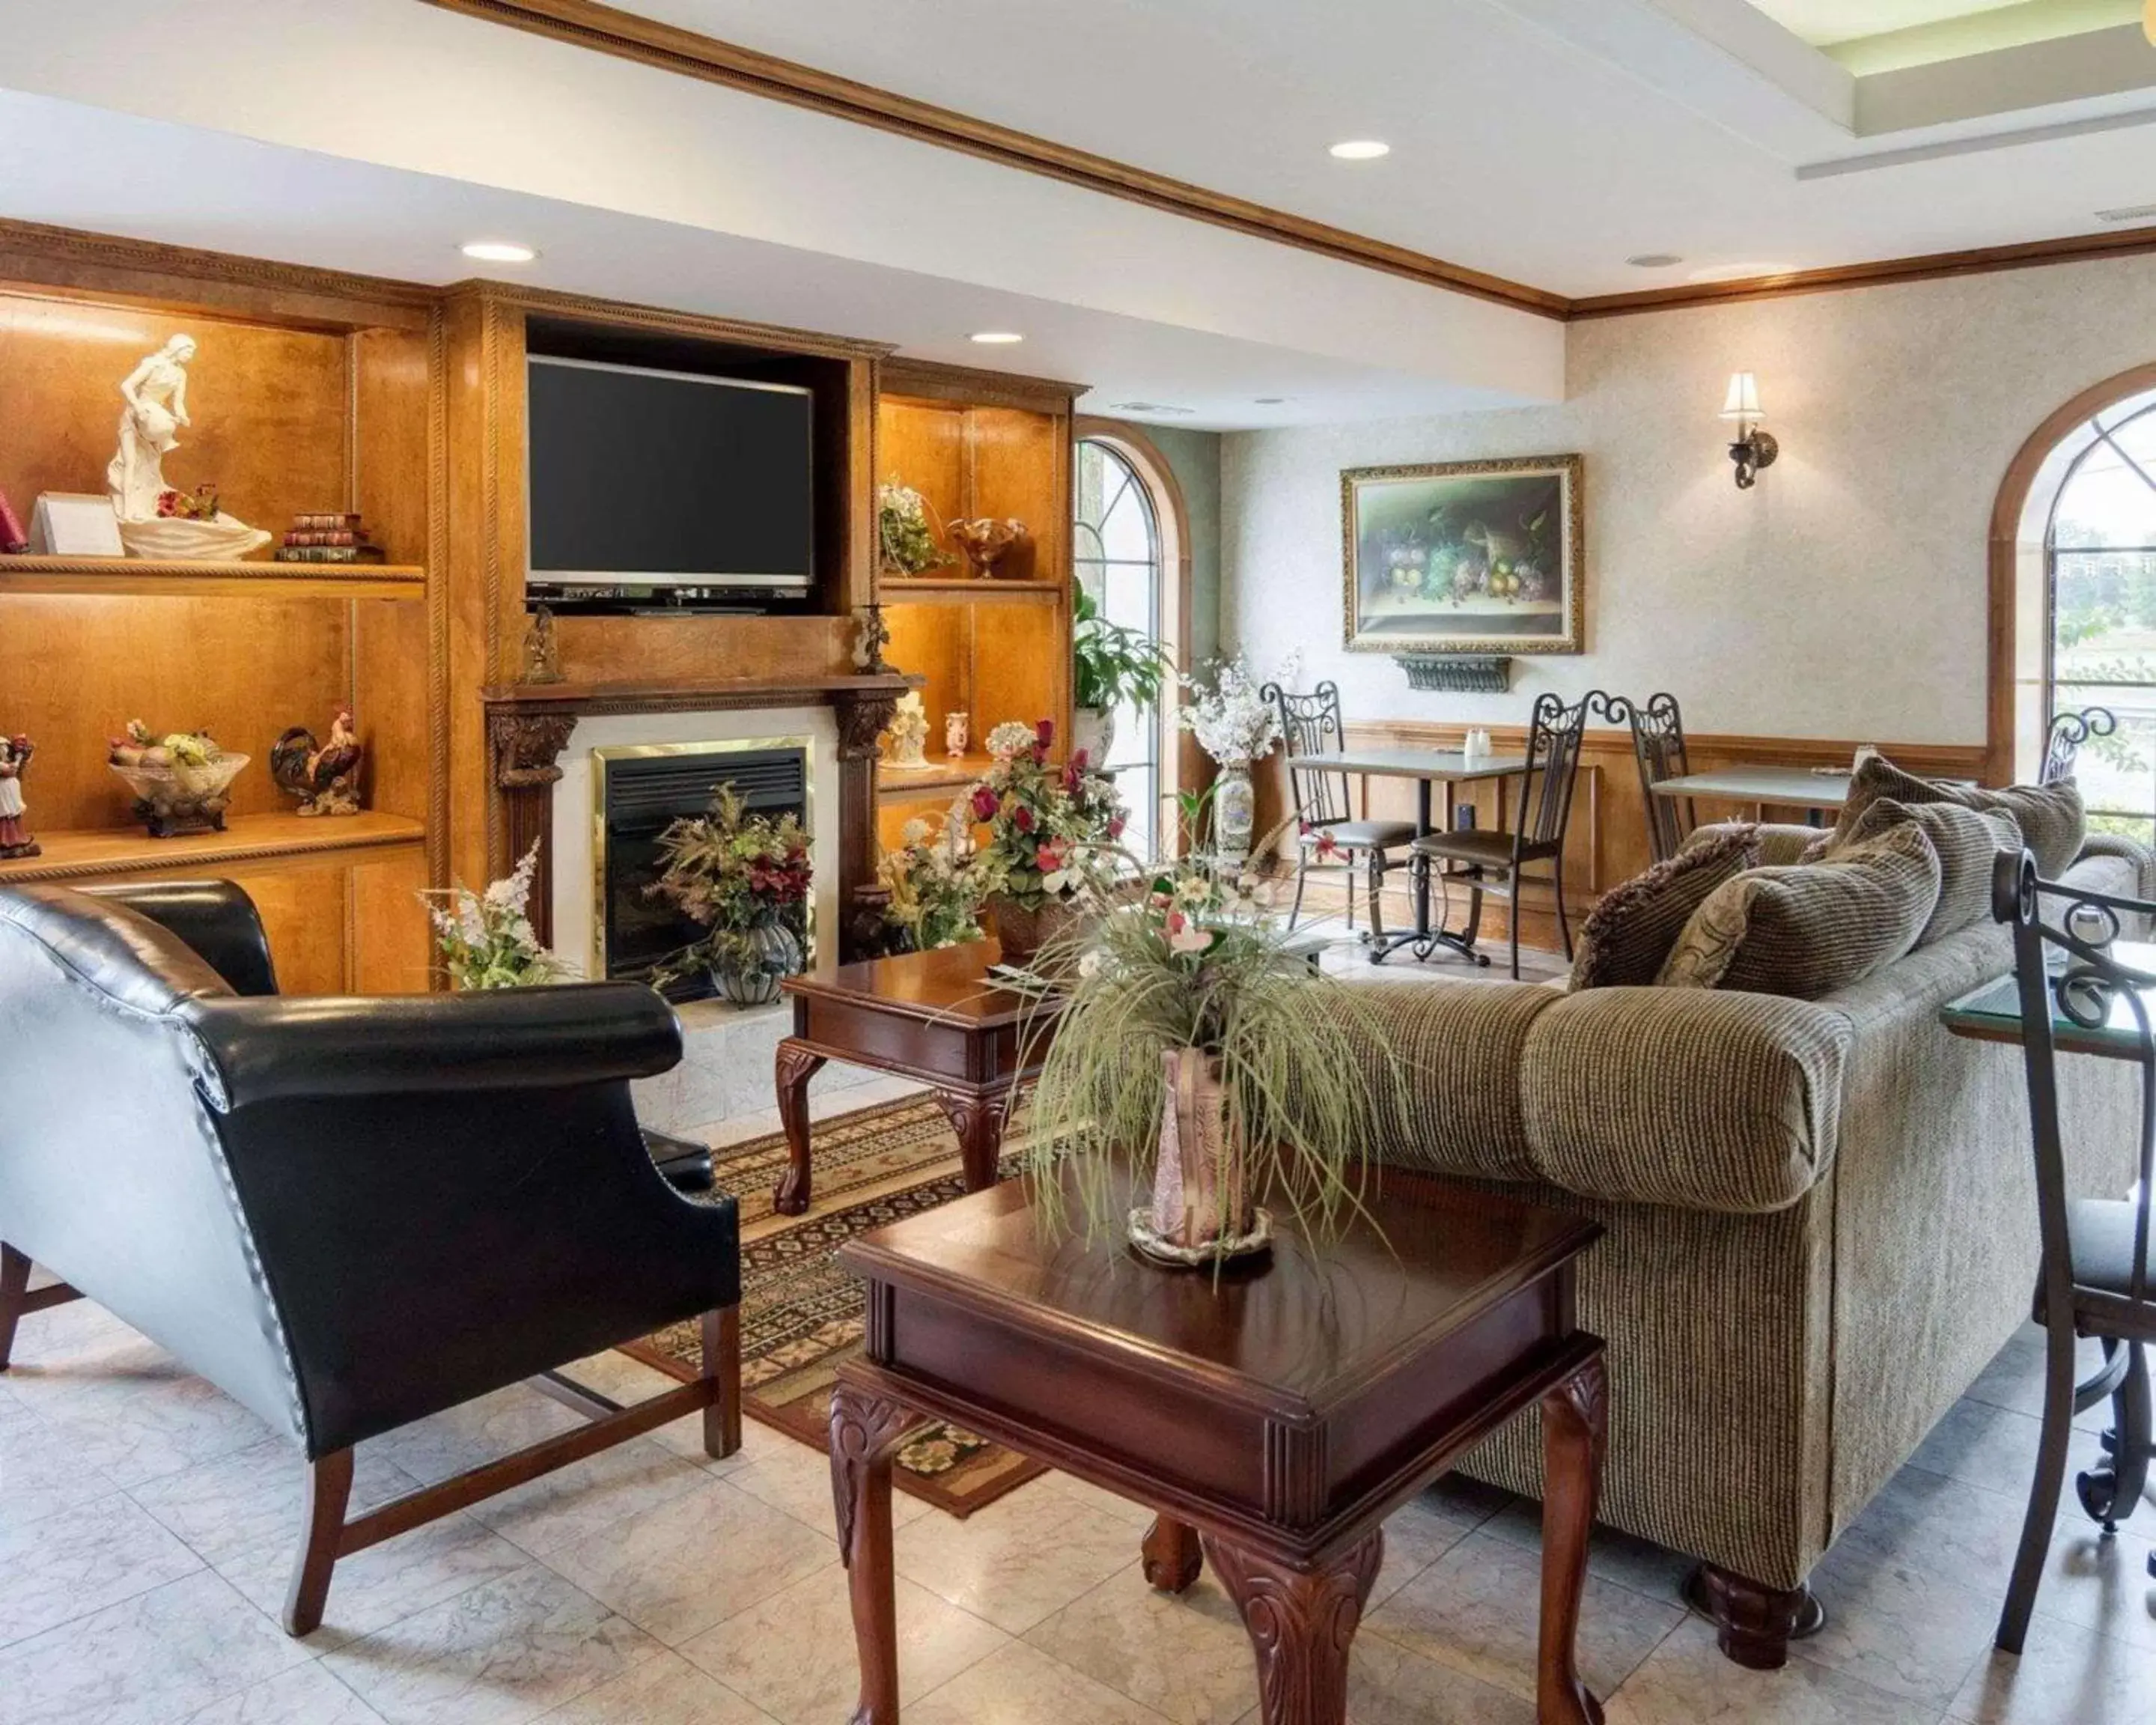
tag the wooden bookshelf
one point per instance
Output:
(248, 841)
(323, 400)
(939, 779)
(142, 578)
(996, 648)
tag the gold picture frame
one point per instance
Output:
(1463, 556)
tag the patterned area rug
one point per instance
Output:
(802, 1315)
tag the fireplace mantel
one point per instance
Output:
(528, 725)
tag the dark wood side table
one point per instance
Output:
(1274, 1419)
(937, 1017)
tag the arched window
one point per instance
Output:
(1129, 548)
(2087, 584)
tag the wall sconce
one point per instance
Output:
(1754, 448)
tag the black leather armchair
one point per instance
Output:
(348, 1214)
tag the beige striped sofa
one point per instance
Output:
(1821, 1226)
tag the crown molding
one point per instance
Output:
(1980, 260)
(607, 30)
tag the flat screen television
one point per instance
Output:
(652, 479)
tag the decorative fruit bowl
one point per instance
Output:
(180, 784)
(985, 542)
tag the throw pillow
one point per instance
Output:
(1808, 929)
(2050, 815)
(1630, 931)
(1967, 842)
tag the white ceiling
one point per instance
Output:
(1542, 141)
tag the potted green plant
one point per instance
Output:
(1198, 1054)
(486, 939)
(1110, 664)
(1045, 825)
(744, 879)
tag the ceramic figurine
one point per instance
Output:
(958, 733)
(909, 730)
(542, 656)
(156, 392)
(325, 777)
(15, 840)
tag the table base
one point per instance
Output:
(1301, 1612)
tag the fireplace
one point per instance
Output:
(637, 791)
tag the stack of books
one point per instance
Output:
(335, 537)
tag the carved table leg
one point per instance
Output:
(1575, 1425)
(1172, 1554)
(865, 1429)
(978, 1121)
(1302, 1623)
(795, 1065)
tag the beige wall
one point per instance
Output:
(1844, 597)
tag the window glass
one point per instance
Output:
(1118, 557)
(2100, 556)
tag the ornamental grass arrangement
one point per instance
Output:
(1046, 826)
(1200, 1053)
(486, 939)
(744, 880)
(934, 896)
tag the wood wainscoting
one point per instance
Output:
(1607, 842)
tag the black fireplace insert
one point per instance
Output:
(645, 792)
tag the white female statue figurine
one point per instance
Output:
(156, 392)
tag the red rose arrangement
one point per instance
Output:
(1045, 822)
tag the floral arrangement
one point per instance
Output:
(1192, 990)
(935, 896)
(734, 874)
(199, 504)
(486, 938)
(1231, 721)
(906, 543)
(1044, 823)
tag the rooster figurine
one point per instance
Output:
(324, 777)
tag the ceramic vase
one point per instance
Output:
(777, 955)
(1201, 1211)
(1093, 730)
(1234, 812)
(957, 734)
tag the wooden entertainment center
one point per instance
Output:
(318, 391)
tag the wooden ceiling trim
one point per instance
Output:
(1884, 272)
(607, 30)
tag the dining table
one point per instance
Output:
(1428, 769)
(1815, 791)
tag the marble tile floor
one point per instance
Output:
(139, 1582)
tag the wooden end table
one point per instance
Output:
(1272, 1422)
(937, 1017)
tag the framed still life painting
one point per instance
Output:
(1463, 556)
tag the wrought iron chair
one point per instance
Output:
(2098, 1276)
(1311, 725)
(1658, 749)
(1493, 861)
(2062, 743)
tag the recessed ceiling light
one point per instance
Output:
(1359, 150)
(1653, 260)
(995, 338)
(1149, 406)
(498, 251)
(1267, 401)
(1738, 272)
